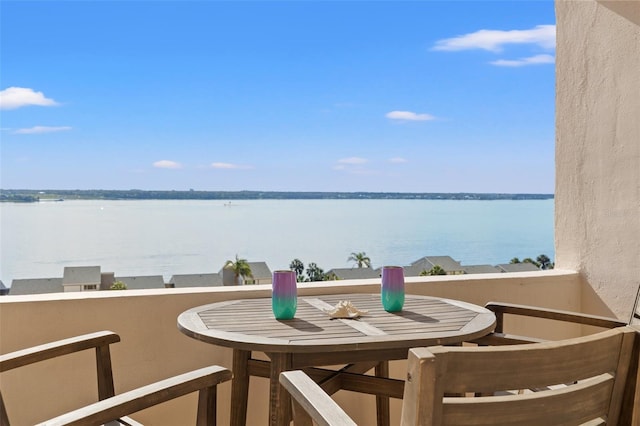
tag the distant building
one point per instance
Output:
(142, 282)
(354, 273)
(261, 273)
(450, 266)
(517, 267)
(195, 280)
(81, 278)
(480, 269)
(3, 290)
(24, 286)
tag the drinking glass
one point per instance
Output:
(284, 297)
(392, 290)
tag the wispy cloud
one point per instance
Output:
(353, 165)
(230, 166)
(16, 97)
(41, 129)
(409, 116)
(398, 160)
(532, 60)
(352, 160)
(167, 164)
(495, 40)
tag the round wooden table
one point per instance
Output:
(313, 339)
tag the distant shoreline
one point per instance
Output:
(28, 195)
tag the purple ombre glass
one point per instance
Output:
(284, 298)
(392, 291)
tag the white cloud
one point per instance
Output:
(16, 97)
(409, 116)
(398, 160)
(354, 166)
(167, 164)
(229, 166)
(494, 40)
(532, 60)
(352, 160)
(41, 129)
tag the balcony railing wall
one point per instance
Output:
(152, 348)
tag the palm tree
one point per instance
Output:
(240, 268)
(514, 260)
(360, 258)
(297, 266)
(531, 261)
(315, 273)
(544, 261)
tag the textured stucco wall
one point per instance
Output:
(598, 146)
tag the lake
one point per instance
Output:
(151, 237)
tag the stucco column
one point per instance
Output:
(597, 214)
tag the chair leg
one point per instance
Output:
(207, 409)
(4, 418)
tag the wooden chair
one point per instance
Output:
(597, 365)
(111, 407)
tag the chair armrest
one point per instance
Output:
(552, 314)
(313, 400)
(203, 380)
(55, 349)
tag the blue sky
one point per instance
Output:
(418, 96)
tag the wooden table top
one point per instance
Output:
(249, 324)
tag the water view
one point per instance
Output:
(150, 237)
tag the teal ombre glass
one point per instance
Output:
(284, 296)
(392, 290)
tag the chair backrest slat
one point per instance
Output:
(575, 404)
(532, 365)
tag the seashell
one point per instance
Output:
(345, 309)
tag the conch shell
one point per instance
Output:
(345, 309)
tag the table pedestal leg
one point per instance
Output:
(240, 387)
(279, 400)
(382, 402)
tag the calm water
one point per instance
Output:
(177, 237)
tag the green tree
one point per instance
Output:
(315, 273)
(436, 270)
(331, 276)
(240, 268)
(530, 260)
(118, 285)
(297, 266)
(514, 260)
(361, 259)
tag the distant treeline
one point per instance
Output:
(16, 195)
